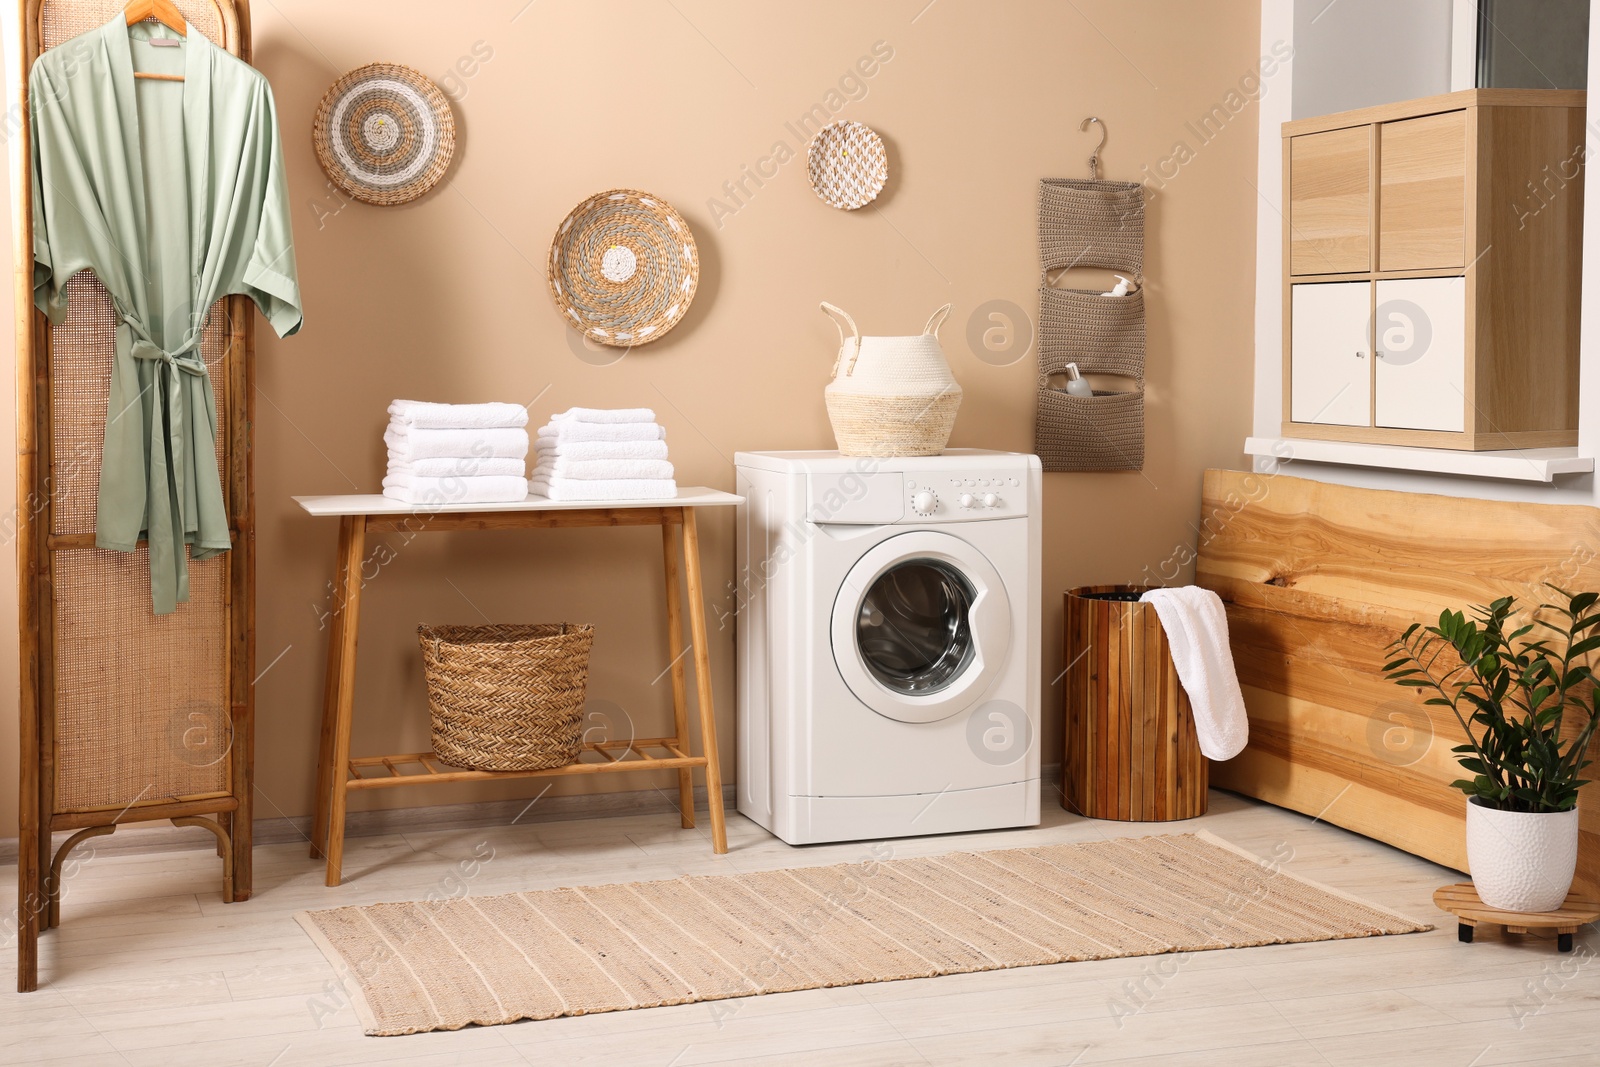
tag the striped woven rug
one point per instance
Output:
(444, 964)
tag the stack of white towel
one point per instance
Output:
(456, 453)
(601, 454)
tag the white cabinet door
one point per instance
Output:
(1329, 355)
(1419, 332)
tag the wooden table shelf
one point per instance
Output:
(339, 774)
(614, 756)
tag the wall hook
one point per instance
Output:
(1094, 157)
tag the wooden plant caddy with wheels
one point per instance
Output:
(338, 774)
(1462, 901)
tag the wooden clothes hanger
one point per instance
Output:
(165, 13)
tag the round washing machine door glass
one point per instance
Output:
(921, 626)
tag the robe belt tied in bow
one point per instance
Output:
(168, 471)
(182, 360)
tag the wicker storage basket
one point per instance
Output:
(892, 396)
(507, 697)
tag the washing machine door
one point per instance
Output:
(921, 627)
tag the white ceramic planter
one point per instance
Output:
(1521, 861)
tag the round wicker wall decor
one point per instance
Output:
(847, 165)
(384, 133)
(623, 267)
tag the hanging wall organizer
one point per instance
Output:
(126, 716)
(1100, 224)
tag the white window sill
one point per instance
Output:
(1524, 465)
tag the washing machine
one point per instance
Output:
(887, 623)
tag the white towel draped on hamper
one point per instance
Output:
(1197, 631)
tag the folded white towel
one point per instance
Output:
(418, 444)
(605, 415)
(589, 431)
(452, 467)
(555, 446)
(437, 492)
(1197, 631)
(600, 470)
(557, 488)
(423, 415)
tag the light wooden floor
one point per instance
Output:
(150, 967)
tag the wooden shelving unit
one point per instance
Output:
(1431, 255)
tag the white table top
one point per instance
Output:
(689, 496)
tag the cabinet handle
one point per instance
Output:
(1378, 354)
(1361, 355)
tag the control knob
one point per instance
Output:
(924, 501)
(990, 500)
(967, 500)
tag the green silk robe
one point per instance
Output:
(173, 193)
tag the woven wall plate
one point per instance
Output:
(384, 134)
(847, 165)
(623, 267)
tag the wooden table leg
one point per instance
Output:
(675, 651)
(330, 694)
(339, 698)
(702, 679)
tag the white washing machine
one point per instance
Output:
(888, 643)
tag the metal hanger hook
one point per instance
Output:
(1094, 157)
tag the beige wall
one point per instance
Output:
(445, 299)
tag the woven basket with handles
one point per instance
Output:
(891, 396)
(507, 697)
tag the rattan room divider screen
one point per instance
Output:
(125, 716)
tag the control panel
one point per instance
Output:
(965, 496)
(880, 497)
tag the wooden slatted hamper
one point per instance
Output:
(1131, 749)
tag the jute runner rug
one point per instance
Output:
(445, 964)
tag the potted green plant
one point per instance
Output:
(1518, 692)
